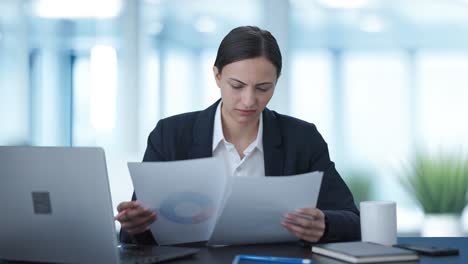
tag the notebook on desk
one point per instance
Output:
(364, 252)
(56, 207)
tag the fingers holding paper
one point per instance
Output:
(307, 223)
(134, 218)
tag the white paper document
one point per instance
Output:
(256, 206)
(187, 196)
(197, 201)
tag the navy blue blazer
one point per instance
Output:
(291, 146)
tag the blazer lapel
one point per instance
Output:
(203, 133)
(273, 154)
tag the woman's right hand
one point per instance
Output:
(134, 218)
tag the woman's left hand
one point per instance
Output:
(308, 224)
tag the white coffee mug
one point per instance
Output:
(378, 222)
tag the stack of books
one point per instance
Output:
(364, 252)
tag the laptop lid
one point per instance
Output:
(56, 205)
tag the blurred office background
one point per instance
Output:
(381, 79)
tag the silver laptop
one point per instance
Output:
(56, 207)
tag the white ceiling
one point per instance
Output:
(309, 12)
(403, 22)
(420, 12)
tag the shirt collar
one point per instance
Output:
(218, 135)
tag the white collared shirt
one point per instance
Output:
(252, 165)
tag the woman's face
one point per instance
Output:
(246, 88)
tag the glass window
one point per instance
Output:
(442, 100)
(311, 90)
(377, 119)
(150, 94)
(377, 107)
(51, 97)
(211, 90)
(179, 82)
(94, 96)
(14, 108)
(83, 132)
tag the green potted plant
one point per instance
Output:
(439, 184)
(360, 185)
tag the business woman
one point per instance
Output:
(255, 142)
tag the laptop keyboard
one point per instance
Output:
(152, 254)
(138, 260)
